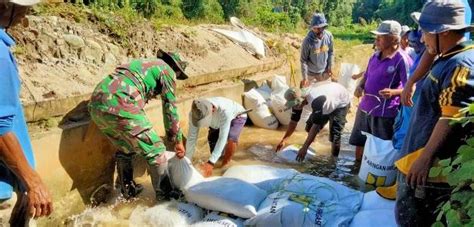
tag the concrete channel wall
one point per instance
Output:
(74, 159)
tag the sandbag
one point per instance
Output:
(325, 190)
(289, 209)
(216, 219)
(261, 115)
(164, 214)
(227, 195)
(373, 201)
(278, 101)
(183, 174)
(265, 91)
(345, 77)
(374, 218)
(378, 163)
(289, 153)
(279, 84)
(267, 178)
(190, 212)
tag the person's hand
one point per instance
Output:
(280, 145)
(206, 169)
(329, 71)
(419, 170)
(406, 98)
(357, 76)
(39, 199)
(180, 151)
(301, 154)
(358, 92)
(304, 83)
(386, 93)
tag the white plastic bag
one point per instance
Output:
(281, 111)
(279, 84)
(227, 195)
(267, 178)
(373, 201)
(374, 218)
(265, 91)
(378, 163)
(190, 212)
(282, 209)
(289, 153)
(183, 174)
(216, 219)
(345, 76)
(261, 115)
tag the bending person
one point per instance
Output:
(225, 120)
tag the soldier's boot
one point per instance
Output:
(125, 182)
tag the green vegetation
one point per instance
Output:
(459, 210)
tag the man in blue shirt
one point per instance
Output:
(449, 84)
(33, 198)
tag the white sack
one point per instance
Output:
(215, 219)
(374, 218)
(227, 195)
(267, 178)
(373, 201)
(282, 209)
(378, 163)
(190, 212)
(345, 77)
(289, 153)
(183, 174)
(261, 115)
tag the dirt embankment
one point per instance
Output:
(60, 58)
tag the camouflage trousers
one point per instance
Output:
(131, 134)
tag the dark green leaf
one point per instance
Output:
(472, 186)
(453, 218)
(435, 171)
(457, 160)
(446, 207)
(440, 215)
(437, 224)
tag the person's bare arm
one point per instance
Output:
(39, 198)
(423, 67)
(289, 131)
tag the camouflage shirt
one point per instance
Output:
(125, 92)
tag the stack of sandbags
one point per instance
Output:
(258, 99)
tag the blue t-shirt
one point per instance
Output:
(11, 110)
(446, 89)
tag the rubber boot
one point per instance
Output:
(125, 182)
(335, 148)
(229, 152)
(161, 182)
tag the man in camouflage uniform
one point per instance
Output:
(117, 107)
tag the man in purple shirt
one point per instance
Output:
(382, 84)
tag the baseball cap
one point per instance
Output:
(201, 112)
(388, 27)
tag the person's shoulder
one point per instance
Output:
(328, 33)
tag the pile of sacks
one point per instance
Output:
(268, 104)
(268, 196)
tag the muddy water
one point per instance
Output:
(120, 213)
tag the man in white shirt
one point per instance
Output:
(225, 120)
(330, 102)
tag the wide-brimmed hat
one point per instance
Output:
(201, 113)
(439, 16)
(319, 21)
(22, 2)
(293, 97)
(388, 27)
(174, 59)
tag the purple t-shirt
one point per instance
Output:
(390, 72)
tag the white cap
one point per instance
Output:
(25, 2)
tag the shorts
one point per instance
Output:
(381, 127)
(336, 119)
(236, 126)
